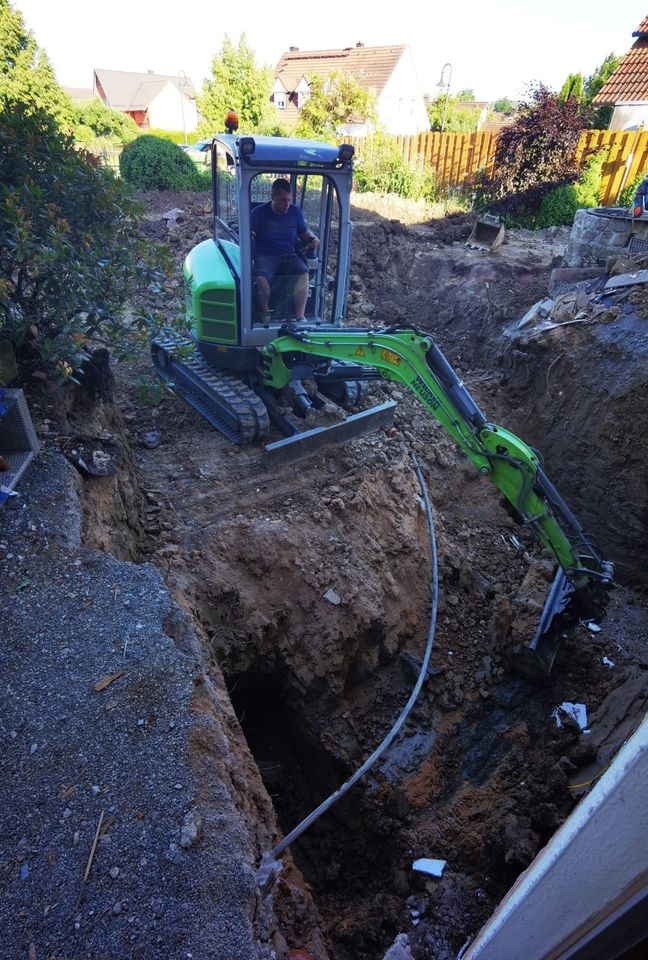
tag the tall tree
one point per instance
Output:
(601, 116)
(27, 78)
(333, 101)
(237, 83)
(572, 87)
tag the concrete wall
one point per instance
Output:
(629, 116)
(595, 237)
(166, 111)
(401, 108)
(592, 870)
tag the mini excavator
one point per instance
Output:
(244, 369)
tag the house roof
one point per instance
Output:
(629, 82)
(80, 93)
(136, 91)
(370, 66)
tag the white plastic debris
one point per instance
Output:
(332, 597)
(575, 711)
(594, 627)
(434, 868)
(607, 662)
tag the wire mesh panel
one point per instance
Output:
(18, 440)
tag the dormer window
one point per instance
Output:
(280, 100)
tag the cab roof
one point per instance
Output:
(283, 150)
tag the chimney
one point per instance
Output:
(293, 49)
(359, 44)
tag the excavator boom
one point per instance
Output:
(412, 358)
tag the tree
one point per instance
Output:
(467, 94)
(504, 105)
(333, 101)
(572, 87)
(537, 152)
(91, 119)
(457, 120)
(601, 116)
(27, 80)
(238, 84)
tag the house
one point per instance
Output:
(80, 94)
(386, 71)
(151, 99)
(627, 88)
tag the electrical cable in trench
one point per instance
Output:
(269, 868)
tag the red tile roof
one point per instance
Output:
(370, 66)
(629, 82)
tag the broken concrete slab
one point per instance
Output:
(627, 280)
(565, 278)
(539, 311)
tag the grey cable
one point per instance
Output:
(360, 772)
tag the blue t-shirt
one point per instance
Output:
(276, 233)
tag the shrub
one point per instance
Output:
(626, 197)
(71, 252)
(559, 206)
(151, 163)
(383, 169)
(538, 151)
(92, 121)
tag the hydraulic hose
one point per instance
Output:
(378, 752)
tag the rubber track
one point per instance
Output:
(224, 400)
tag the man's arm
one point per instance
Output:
(307, 236)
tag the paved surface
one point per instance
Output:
(136, 763)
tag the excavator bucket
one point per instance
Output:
(487, 234)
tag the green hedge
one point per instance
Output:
(151, 163)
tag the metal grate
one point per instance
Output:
(18, 440)
(636, 245)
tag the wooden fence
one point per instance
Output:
(456, 156)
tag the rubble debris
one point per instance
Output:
(627, 280)
(574, 711)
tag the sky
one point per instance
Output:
(495, 48)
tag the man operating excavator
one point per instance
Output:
(276, 227)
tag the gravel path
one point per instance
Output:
(131, 764)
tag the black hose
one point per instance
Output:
(360, 772)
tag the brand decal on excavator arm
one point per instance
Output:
(390, 357)
(424, 393)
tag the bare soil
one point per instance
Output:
(310, 588)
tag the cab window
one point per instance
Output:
(227, 215)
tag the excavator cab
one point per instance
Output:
(223, 303)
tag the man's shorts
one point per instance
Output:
(286, 265)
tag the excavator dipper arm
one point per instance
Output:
(412, 358)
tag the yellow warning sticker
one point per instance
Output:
(390, 357)
(359, 352)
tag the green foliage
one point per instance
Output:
(71, 253)
(537, 152)
(572, 87)
(559, 206)
(601, 116)
(457, 120)
(504, 105)
(27, 80)
(383, 169)
(236, 84)
(173, 136)
(91, 120)
(626, 197)
(332, 102)
(151, 163)
(463, 95)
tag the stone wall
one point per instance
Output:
(600, 234)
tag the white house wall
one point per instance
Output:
(401, 109)
(629, 116)
(166, 110)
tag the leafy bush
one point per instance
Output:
(92, 120)
(383, 169)
(537, 152)
(151, 163)
(71, 253)
(559, 206)
(626, 197)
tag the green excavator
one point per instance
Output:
(245, 368)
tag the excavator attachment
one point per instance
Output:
(487, 234)
(311, 442)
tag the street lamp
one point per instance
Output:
(445, 85)
(182, 77)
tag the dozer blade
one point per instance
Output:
(487, 234)
(558, 615)
(311, 442)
